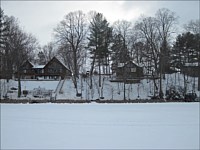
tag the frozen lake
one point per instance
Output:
(100, 126)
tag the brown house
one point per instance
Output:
(191, 69)
(26, 71)
(128, 70)
(54, 69)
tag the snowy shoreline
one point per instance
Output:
(25, 101)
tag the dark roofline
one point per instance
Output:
(28, 62)
(59, 62)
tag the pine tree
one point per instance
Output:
(99, 40)
(3, 45)
(119, 50)
(186, 50)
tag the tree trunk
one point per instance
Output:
(92, 69)
(155, 85)
(185, 84)
(199, 76)
(19, 85)
(99, 78)
(161, 69)
(199, 82)
(124, 90)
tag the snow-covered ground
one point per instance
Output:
(26, 85)
(110, 90)
(115, 90)
(100, 126)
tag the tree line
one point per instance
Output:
(152, 41)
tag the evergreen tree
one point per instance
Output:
(186, 49)
(3, 30)
(99, 40)
(119, 50)
(99, 44)
(41, 58)
(4, 54)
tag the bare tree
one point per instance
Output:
(157, 32)
(147, 30)
(23, 45)
(123, 28)
(49, 51)
(165, 23)
(193, 26)
(122, 31)
(71, 31)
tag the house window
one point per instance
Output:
(133, 69)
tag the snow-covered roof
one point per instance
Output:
(138, 64)
(31, 63)
(175, 69)
(191, 64)
(38, 66)
(122, 64)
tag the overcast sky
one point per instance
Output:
(40, 17)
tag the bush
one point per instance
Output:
(190, 97)
(174, 93)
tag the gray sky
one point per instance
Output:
(40, 17)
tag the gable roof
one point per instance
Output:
(62, 63)
(36, 66)
(27, 61)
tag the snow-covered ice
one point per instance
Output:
(100, 126)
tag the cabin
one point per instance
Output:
(128, 70)
(53, 70)
(191, 69)
(26, 71)
(56, 69)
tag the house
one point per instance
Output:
(128, 70)
(26, 71)
(191, 69)
(54, 69)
